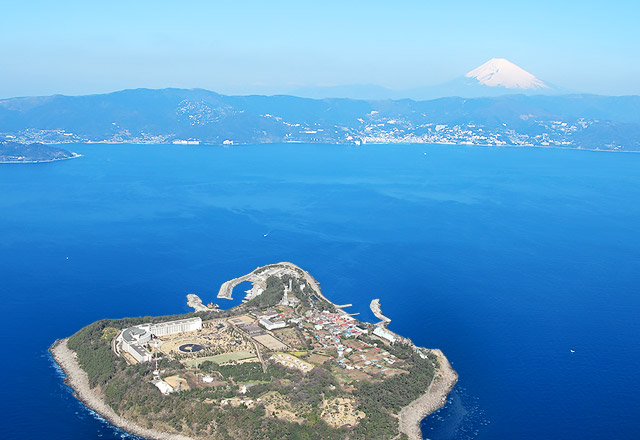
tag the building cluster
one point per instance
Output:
(372, 361)
(133, 340)
(368, 358)
(335, 323)
(376, 129)
(548, 133)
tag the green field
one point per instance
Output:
(221, 358)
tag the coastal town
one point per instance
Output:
(372, 128)
(284, 332)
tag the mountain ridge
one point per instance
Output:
(168, 115)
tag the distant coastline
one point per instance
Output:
(196, 116)
(240, 144)
(17, 152)
(75, 156)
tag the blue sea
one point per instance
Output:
(505, 258)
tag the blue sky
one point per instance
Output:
(75, 47)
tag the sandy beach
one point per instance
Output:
(78, 380)
(434, 399)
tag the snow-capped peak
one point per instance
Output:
(499, 72)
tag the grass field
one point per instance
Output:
(221, 358)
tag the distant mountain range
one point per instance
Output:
(181, 116)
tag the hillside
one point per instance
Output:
(174, 115)
(285, 364)
(15, 152)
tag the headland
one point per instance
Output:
(15, 152)
(285, 360)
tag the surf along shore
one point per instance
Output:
(78, 380)
(432, 400)
(409, 417)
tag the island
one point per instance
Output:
(286, 363)
(16, 152)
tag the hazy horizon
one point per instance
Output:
(77, 48)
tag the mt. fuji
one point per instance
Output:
(499, 72)
(496, 77)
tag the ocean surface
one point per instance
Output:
(505, 258)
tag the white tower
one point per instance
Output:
(156, 372)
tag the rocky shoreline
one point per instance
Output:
(57, 159)
(432, 400)
(410, 416)
(78, 380)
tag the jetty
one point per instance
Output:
(226, 290)
(259, 276)
(375, 308)
(195, 303)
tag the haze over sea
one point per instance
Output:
(505, 258)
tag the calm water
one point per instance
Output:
(506, 259)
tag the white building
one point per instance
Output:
(179, 326)
(164, 387)
(385, 334)
(269, 325)
(133, 339)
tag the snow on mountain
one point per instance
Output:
(499, 72)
